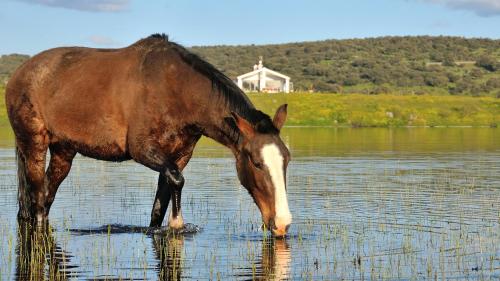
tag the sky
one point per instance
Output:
(31, 26)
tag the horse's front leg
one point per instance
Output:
(170, 181)
(176, 182)
(170, 184)
(160, 204)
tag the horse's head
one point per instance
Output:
(261, 163)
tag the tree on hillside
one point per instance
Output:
(488, 62)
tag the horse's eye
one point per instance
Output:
(255, 163)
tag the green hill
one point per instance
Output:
(405, 65)
(9, 63)
(398, 65)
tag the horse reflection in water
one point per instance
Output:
(169, 252)
(38, 257)
(275, 263)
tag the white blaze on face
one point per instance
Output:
(273, 160)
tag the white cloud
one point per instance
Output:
(85, 5)
(485, 8)
(102, 40)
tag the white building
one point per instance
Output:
(263, 79)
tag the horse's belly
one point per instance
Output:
(99, 140)
(109, 152)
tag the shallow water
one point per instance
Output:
(415, 203)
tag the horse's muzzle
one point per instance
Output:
(278, 231)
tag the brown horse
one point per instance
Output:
(150, 102)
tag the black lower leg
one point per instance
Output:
(161, 202)
(176, 183)
(169, 181)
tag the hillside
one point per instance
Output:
(9, 63)
(400, 65)
(414, 65)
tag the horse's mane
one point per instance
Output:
(222, 85)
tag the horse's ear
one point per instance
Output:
(243, 125)
(280, 116)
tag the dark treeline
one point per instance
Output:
(406, 65)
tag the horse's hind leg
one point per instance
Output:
(32, 193)
(61, 158)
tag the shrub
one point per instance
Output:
(493, 83)
(487, 62)
(379, 90)
(435, 80)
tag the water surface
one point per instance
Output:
(399, 204)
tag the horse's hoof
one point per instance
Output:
(177, 223)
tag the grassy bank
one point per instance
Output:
(3, 112)
(355, 110)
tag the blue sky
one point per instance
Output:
(31, 26)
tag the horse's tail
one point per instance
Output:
(23, 196)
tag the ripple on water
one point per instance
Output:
(188, 229)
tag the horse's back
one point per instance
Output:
(77, 94)
(47, 74)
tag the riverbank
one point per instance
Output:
(357, 110)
